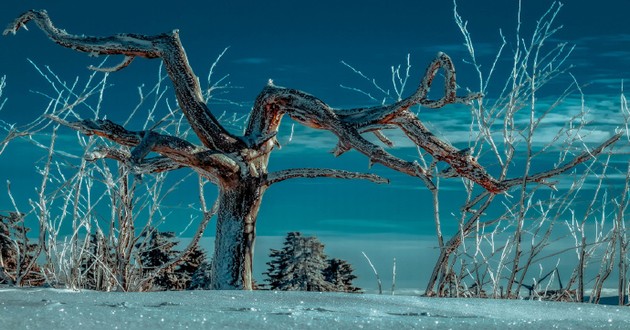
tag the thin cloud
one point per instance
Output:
(251, 60)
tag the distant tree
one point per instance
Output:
(190, 265)
(158, 250)
(17, 262)
(299, 266)
(339, 274)
(200, 279)
(302, 265)
(96, 264)
(276, 266)
(8, 251)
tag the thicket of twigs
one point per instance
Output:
(511, 245)
(94, 216)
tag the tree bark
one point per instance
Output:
(236, 235)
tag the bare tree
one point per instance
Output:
(238, 164)
(501, 249)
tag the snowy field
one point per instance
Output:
(62, 309)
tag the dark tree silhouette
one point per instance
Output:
(238, 164)
(96, 263)
(339, 273)
(17, 263)
(155, 252)
(190, 265)
(200, 279)
(159, 250)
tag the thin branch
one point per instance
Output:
(378, 278)
(126, 61)
(310, 173)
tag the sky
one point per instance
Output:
(301, 45)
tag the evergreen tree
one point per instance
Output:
(189, 266)
(8, 252)
(277, 263)
(158, 250)
(95, 263)
(200, 279)
(299, 265)
(339, 274)
(17, 253)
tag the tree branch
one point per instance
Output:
(178, 150)
(310, 173)
(540, 177)
(460, 162)
(165, 46)
(146, 166)
(382, 114)
(274, 102)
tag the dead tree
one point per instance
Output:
(238, 164)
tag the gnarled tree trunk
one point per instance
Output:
(236, 234)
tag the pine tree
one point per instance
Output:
(277, 263)
(17, 253)
(155, 252)
(299, 265)
(188, 267)
(158, 250)
(200, 279)
(8, 252)
(339, 274)
(97, 262)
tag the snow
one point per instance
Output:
(64, 309)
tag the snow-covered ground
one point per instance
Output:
(62, 309)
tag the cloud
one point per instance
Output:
(616, 53)
(612, 39)
(251, 60)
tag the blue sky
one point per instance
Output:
(300, 45)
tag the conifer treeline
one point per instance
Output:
(300, 265)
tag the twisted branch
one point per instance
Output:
(165, 46)
(273, 102)
(179, 151)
